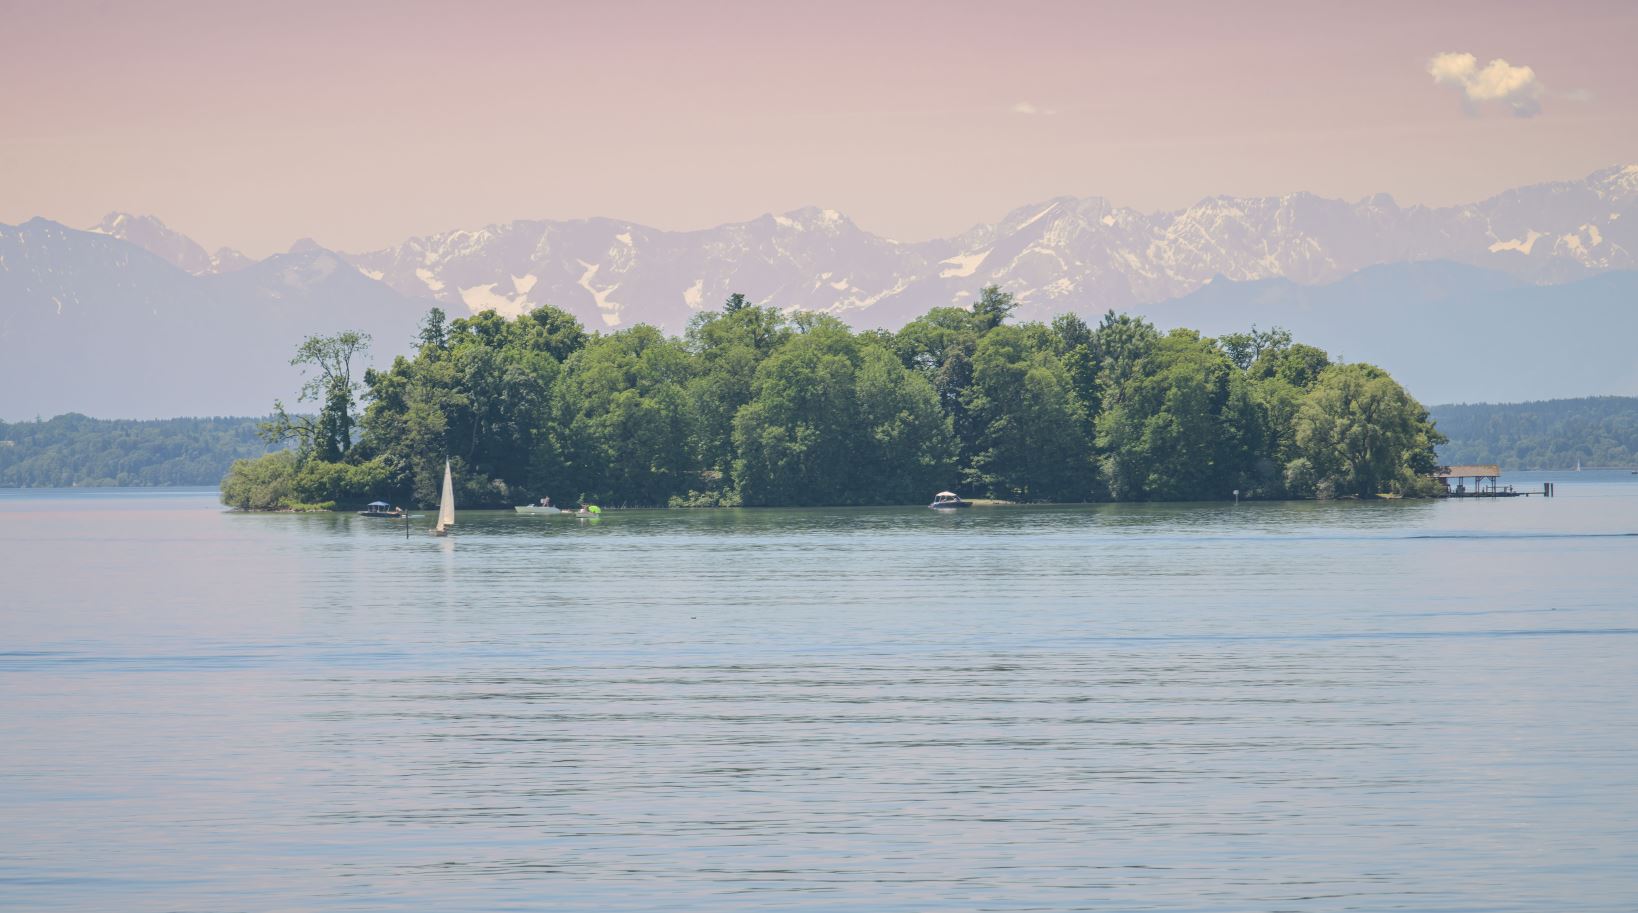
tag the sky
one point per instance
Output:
(360, 124)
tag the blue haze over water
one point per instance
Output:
(1269, 706)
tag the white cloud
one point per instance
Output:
(1496, 81)
(1025, 107)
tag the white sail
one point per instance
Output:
(446, 505)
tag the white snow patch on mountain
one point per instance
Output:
(965, 264)
(1522, 246)
(485, 298)
(694, 295)
(610, 310)
(372, 273)
(859, 304)
(522, 284)
(1037, 217)
(426, 276)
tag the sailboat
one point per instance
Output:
(446, 505)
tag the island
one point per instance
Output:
(756, 407)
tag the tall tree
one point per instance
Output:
(1184, 424)
(328, 363)
(727, 348)
(623, 407)
(1243, 349)
(434, 332)
(794, 438)
(1031, 444)
(906, 445)
(1359, 433)
(993, 307)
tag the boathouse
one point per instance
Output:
(1463, 481)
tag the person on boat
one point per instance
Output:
(545, 502)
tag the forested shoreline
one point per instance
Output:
(73, 450)
(1594, 431)
(754, 407)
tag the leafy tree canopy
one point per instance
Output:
(753, 406)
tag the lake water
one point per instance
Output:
(1305, 707)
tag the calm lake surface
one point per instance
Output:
(1309, 707)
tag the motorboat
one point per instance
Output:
(382, 509)
(948, 500)
(538, 509)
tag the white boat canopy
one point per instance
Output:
(946, 494)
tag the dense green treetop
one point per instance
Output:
(751, 406)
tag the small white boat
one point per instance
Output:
(446, 506)
(948, 500)
(538, 509)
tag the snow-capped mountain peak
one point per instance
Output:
(1619, 182)
(1081, 253)
(136, 294)
(175, 248)
(1067, 252)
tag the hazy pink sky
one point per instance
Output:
(360, 124)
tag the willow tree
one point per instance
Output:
(1359, 433)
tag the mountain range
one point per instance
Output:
(131, 298)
